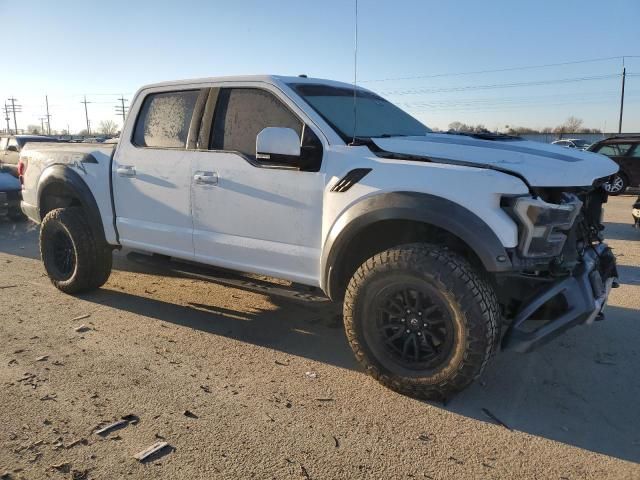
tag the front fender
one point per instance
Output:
(419, 207)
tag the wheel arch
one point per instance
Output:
(390, 219)
(60, 187)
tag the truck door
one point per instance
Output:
(248, 215)
(151, 173)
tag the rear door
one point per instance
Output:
(248, 215)
(152, 172)
(617, 152)
(633, 165)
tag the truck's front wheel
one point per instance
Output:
(74, 259)
(421, 320)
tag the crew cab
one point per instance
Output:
(443, 248)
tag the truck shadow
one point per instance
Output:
(580, 390)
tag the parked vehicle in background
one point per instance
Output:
(442, 248)
(11, 146)
(572, 143)
(625, 151)
(10, 197)
(635, 212)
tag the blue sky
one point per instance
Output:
(66, 49)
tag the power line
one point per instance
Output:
(498, 70)
(418, 91)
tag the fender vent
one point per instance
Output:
(350, 179)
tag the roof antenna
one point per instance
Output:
(355, 77)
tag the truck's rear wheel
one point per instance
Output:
(74, 259)
(421, 321)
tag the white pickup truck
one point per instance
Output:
(443, 247)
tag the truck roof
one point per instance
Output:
(272, 79)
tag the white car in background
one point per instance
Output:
(577, 143)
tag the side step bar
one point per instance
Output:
(229, 278)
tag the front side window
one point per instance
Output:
(614, 149)
(164, 119)
(242, 113)
(373, 117)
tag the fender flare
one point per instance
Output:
(73, 182)
(419, 207)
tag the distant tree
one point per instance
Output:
(108, 127)
(571, 125)
(463, 127)
(33, 129)
(458, 126)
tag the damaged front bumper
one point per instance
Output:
(585, 293)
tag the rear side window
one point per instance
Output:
(614, 149)
(241, 113)
(163, 121)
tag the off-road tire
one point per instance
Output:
(91, 257)
(472, 299)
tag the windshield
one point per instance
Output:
(376, 117)
(580, 143)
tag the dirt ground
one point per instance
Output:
(247, 385)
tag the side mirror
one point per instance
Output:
(278, 145)
(12, 148)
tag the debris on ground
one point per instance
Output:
(311, 374)
(104, 431)
(152, 450)
(205, 388)
(335, 439)
(82, 328)
(2, 287)
(62, 467)
(42, 358)
(79, 441)
(495, 419)
(49, 396)
(424, 437)
(81, 317)
(326, 399)
(304, 473)
(189, 414)
(131, 418)
(278, 362)
(80, 474)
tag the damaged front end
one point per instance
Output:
(563, 270)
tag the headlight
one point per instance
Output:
(543, 224)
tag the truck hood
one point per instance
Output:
(540, 164)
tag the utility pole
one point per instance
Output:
(46, 100)
(6, 117)
(86, 115)
(121, 109)
(624, 75)
(42, 125)
(13, 109)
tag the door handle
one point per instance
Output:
(126, 171)
(205, 178)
